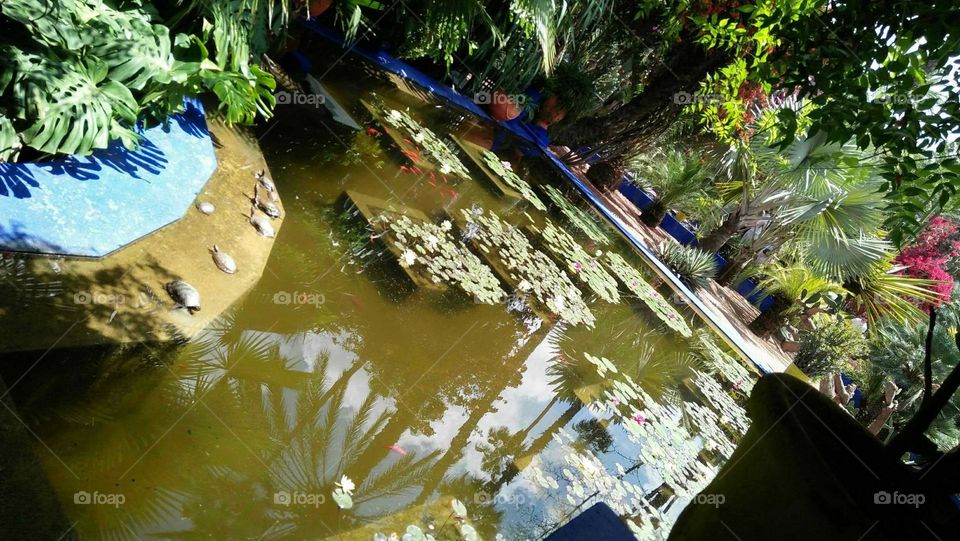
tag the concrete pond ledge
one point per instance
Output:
(93, 205)
(55, 301)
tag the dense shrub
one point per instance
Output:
(829, 347)
(694, 266)
(927, 258)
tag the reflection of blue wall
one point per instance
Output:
(92, 205)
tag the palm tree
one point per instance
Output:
(795, 289)
(677, 179)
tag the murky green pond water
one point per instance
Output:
(432, 363)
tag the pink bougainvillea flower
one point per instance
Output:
(397, 449)
(640, 419)
(577, 266)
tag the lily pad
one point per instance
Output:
(634, 281)
(580, 219)
(431, 248)
(579, 263)
(534, 272)
(505, 171)
(437, 149)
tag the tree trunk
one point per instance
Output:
(772, 318)
(640, 121)
(653, 215)
(715, 240)
(607, 176)
(733, 269)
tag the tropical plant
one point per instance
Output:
(830, 346)
(885, 292)
(80, 74)
(573, 88)
(795, 290)
(676, 176)
(694, 266)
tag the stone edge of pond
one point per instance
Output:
(120, 298)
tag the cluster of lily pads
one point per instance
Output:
(431, 248)
(634, 281)
(708, 424)
(505, 171)
(416, 533)
(581, 264)
(730, 412)
(724, 364)
(580, 219)
(445, 158)
(532, 271)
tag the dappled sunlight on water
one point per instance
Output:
(344, 367)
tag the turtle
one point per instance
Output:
(206, 207)
(184, 294)
(266, 206)
(265, 181)
(261, 224)
(223, 261)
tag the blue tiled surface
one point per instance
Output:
(93, 205)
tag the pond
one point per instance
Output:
(446, 341)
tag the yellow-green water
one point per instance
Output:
(336, 365)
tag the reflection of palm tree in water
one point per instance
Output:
(576, 381)
(218, 405)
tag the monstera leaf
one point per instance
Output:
(51, 23)
(9, 141)
(139, 57)
(242, 96)
(80, 109)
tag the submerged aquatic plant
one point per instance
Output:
(438, 150)
(533, 272)
(586, 268)
(580, 219)
(505, 171)
(634, 281)
(431, 248)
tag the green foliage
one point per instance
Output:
(694, 266)
(574, 89)
(829, 347)
(884, 77)
(678, 178)
(81, 73)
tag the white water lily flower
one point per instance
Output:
(446, 225)
(346, 484)
(408, 257)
